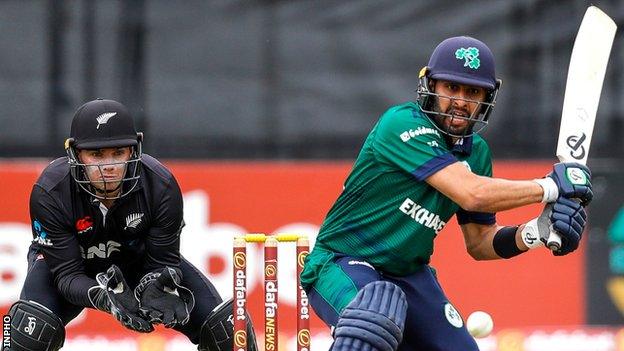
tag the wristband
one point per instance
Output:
(504, 242)
(551, 191)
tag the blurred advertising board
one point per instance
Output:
(227, 198)
(517, 339)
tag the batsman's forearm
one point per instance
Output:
(495, 194)
(479, 240)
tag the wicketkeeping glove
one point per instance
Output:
(163, 299)
(568, 219)
(573, 181)
(113, 295)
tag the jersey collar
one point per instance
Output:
(463, 146)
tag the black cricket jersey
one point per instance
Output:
(78, 237)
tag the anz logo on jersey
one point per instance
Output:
(422, 215)
(101, 250)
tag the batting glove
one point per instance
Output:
(568, 219)
(570, 180)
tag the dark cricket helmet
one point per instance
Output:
(101, 124)
(463, 60)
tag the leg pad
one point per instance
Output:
(374, 320)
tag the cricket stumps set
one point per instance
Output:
(271, 243)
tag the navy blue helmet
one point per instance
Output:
(463, 60)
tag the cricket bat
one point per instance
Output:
(586, 72)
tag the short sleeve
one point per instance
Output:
(407, 139)
(485, 218)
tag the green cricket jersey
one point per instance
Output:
(387, 214)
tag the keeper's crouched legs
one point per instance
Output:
(35, 328)
(217, 332)
(373, 321)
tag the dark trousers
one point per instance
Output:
(432, 323)
(39, 286)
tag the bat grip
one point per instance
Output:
(554, 241)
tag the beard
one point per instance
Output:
(459, 126)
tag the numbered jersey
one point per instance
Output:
(387, 214)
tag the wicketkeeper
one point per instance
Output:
(106, 223)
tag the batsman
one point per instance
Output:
(106, 223)
(368, 276)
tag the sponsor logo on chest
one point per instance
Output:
(412, 133)
(84, 224)
(102, 250)
(422, 215)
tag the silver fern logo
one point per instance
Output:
(104, 117)
(133, 220)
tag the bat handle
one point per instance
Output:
(554, 241)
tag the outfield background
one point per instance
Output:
(260, 107)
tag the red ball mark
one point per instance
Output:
(7, 276)
(215, 264)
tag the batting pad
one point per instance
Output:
(373, 321)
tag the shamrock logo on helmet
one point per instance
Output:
(470, 55)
